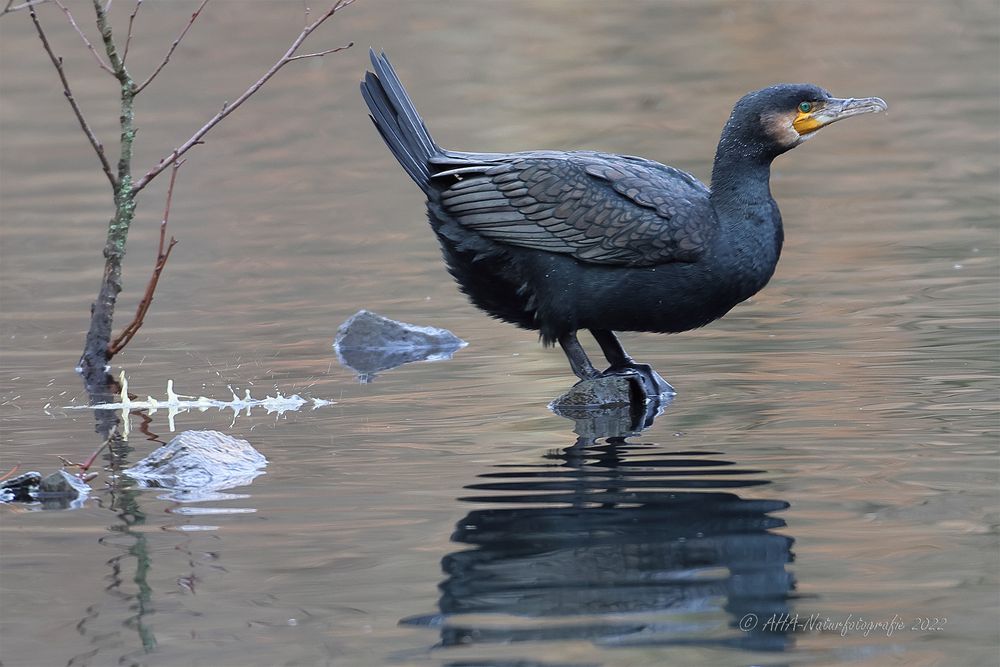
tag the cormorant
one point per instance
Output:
(558, 241)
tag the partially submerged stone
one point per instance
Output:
(62, 483)
(61, 490)
(369, 343)
(57, 491)
(199, 463)
(20, 489)
(610, 406)
(604, 391)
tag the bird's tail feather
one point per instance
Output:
(397, 120)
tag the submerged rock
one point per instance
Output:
(57, 491)
(604, 391)
(20, 489)
(611, 406)
(62, 483)
(200, 463)
(61, 490)
(369, 343)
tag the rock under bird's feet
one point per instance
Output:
(652, 382)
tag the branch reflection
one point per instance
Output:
(126, 536)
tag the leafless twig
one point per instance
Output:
(97, 56)
(85, 466)
(57, 62)
(173, 46)
(229, 108)
(320, 54)
(131, 20)
(161, 260)
(11, 7)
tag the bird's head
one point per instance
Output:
(779, 118)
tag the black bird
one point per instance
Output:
(558, 241)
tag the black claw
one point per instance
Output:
(652, 382)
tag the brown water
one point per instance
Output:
(832, 452)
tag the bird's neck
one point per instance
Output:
(741, 178)
(748, 215)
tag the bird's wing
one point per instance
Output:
(599, 208)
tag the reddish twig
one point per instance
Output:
(85, 466)
(173, 47)
(100, 61)
(229, 108)
(10, 473)
(11, 7)
(162, 255)
(131, 20)
(57, 62)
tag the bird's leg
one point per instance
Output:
(612, 349)
(577, 356)
(620, 362)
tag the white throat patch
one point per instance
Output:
(779, 127)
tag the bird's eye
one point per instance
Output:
(805, 107)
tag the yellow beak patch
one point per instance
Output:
(805, 123)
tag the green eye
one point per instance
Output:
(805, 107)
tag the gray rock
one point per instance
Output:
(61, 490)
(369, 343)
(602, 407)
(57, 491)
(611, 406)
(20, 489)
(200, 463)
(604, 391)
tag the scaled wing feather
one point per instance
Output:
(599, 208)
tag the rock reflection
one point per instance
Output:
(619, 544)
(369, 363)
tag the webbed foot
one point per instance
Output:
(652, 382)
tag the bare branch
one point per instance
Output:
(161, 260)
(131, 20)
(320, 54)
(229, 108)
(104, 27)
(173, 47)
(85, 466)
(57, 62)
(11, 7)
(100, 61)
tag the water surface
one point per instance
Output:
(832, 452)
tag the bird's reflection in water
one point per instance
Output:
(620, 544)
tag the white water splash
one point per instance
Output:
(178, 403)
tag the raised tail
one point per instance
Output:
(397, 120)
